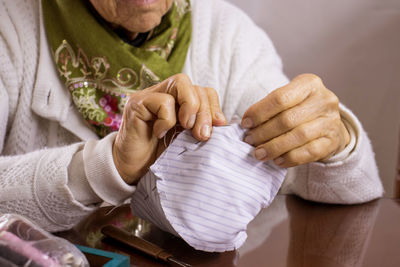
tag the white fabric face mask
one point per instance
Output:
(207, 192)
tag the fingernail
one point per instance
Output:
(191, 121)
(219, 116)
(249, 139)
(162, 134)
(279, 161)
(260, 153)
(247, 123)
(205, 131)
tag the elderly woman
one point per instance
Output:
(89, 88)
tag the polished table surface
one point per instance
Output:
(291, 232)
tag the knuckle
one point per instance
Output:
(314, 150)
(168, 99)
(211, 91)
(333, 128)
(333, 131)
(214, 99)
(287, 120)
(291, 158)
(201, 91)
(133, 104)
(181, 77)
(312, 78)
(336, 119)
(133, 110)
(316, 79)
(273, 149)
(332, 99)
(205, 113)
(136, 95)
(303, 133)
(279, 98)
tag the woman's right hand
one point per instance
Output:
(149, 114)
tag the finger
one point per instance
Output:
(135, 117)
(218, 117)
(286, 121)
(203, 124)
(182, 89)
(151, 107)
(163, 107)
(310, 152)
(280, 100)
(293, 139)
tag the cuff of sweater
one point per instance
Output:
(354, 129)
(78, 183)
(101, 172)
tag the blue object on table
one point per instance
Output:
(116, 260)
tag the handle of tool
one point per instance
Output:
(135, 242)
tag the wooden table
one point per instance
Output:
(291, 232)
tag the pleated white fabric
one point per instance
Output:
(208, 191)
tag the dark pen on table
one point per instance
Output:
(141, 245)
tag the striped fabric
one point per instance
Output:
(208, 191)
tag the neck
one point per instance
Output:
(130, 36)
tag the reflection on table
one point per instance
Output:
(291, 232)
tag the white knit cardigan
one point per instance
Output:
(53, 168)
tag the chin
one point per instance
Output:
(143, 24)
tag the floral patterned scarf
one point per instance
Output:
(100, 69)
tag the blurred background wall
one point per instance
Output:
(354, 46)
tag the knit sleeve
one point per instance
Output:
(35, 185)
(255, 71)
(35, 180)
(23, 187)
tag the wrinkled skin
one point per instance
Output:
(149, 115)
(134, 16)
(296, 124)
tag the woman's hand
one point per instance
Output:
(149, 114)
(296, 124)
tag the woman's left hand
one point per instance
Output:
(296, 124)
